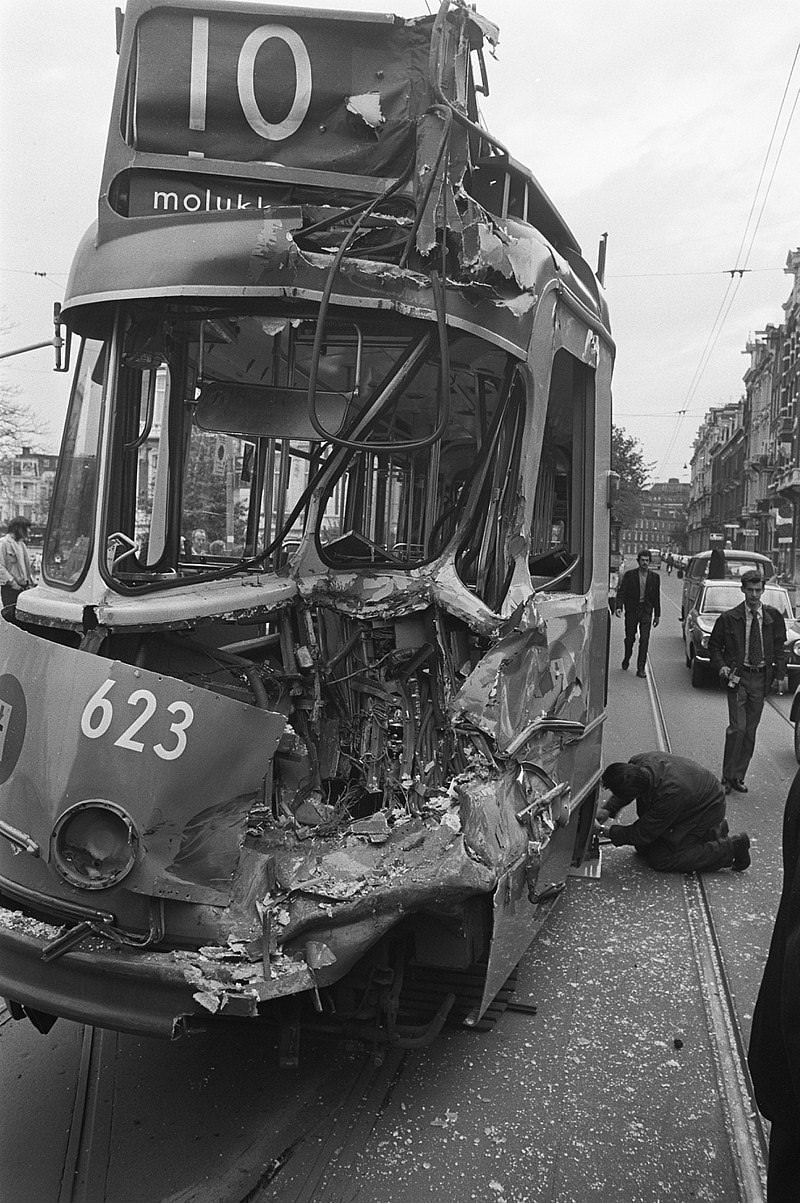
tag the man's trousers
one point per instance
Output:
(700, 853)
(638, 619)
(745, 704)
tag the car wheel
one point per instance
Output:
(698, 673)
(797, 740)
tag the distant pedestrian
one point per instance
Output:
(774, 1055)
(16, 572)
(640, 595)
(747, 651)
(717, 566)
(680, 806)
(613, 585)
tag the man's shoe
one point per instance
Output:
(625, 664)
(642, 674)
(726, 785)
(741, 852)
(738, 785)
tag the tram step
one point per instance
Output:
(424, 988)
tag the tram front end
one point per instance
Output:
(303, 722)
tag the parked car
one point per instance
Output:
(716, 596)
(736, 562)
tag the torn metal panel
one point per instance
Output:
(528, 675)
(439, 169)
(368, 108)
(374, 594)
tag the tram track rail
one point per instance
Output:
(745, 1128)
(86, 1158)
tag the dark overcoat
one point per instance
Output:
(683, 801)
(774, 1055)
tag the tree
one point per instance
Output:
(678, 534)
(19, 427)
(205, 491)
(627, 459)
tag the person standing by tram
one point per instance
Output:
(16, 572)
(747, 651)
(640, 596)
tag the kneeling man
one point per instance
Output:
(680, 806)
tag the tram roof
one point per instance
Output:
(196, 180)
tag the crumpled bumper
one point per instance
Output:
(129, 990)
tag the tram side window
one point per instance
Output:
(484, 561)
(401, 503)
(562, 526)
(69, 534)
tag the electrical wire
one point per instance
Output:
(740, 263)
(677, 275)
(766, 160)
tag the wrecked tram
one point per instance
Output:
(307, 707)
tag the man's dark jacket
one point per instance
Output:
(727, 642)
(681, 803)
(774, 1054)
(628, 592)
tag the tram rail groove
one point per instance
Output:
(772, 705)
(746, 1132)
(322, 1172)
(86, 1159)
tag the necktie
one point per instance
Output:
(754, 650)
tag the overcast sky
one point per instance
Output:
(651, 122)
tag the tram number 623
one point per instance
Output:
(98, 714)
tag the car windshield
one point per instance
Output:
(723, 597)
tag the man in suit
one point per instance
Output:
(747, 651)
(774, 1055)
(640, 596)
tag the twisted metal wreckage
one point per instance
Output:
(354, 729)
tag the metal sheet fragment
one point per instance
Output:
(368, 108)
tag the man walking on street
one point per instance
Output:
(680, 806)
(747, 652)
(640, 595)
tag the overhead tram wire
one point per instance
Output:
(766, 160)
(774, 169)
(740, 266)
(679, 275)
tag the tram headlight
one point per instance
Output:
(94, 844)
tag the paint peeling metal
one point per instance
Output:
(368, 107)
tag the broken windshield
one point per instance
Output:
(223, 462)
